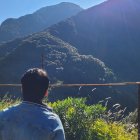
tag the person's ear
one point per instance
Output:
(46, 94)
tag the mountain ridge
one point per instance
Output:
(64, 65)
(100, 42)
(109, 31)
(18, 27)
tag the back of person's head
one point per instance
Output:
(35, 83)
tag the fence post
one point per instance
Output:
(139, 112)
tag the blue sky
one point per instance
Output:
(17, 8)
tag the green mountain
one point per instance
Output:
(109, 31)
(45, 17)
(60, 58)
(64, 65)
(75, 51)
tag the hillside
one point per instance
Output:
(99, 45)
(109, 31)
(61, 60)
(15, 28)
(64, 65)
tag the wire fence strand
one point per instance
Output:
(79, 85)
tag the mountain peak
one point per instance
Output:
(66, 3)
(39, 20)
(70, 4)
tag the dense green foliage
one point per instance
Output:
(83, 122)
(61, 60)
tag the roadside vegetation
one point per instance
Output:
(90, 122)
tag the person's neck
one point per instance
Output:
(37, 103)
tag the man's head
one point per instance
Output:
(35, 84)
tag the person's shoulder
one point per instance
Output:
(51, 115)
(8, 110)
(58, 129)
(51, 112)
(55, 120)
(54, 116)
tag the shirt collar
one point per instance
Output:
(39, 105)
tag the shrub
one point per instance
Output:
(101, 130)
(76, 116)
(6, 101)
(82, 122)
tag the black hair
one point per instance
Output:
(35, 83)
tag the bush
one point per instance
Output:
(7, 101)
(82, 122)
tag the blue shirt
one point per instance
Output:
(30, 121)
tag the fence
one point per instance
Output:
(87, 85)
